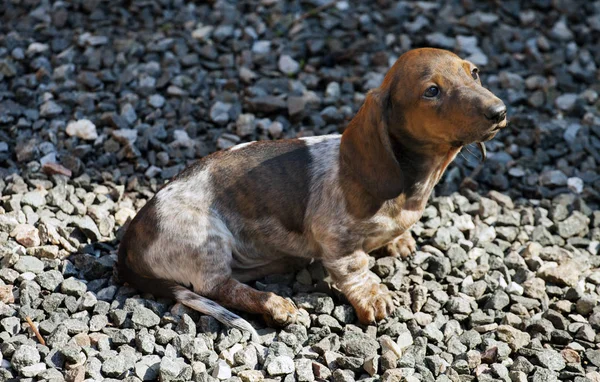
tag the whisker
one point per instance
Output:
(477, 156)
(466, 159)
(469, 150)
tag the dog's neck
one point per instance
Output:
(422, 165)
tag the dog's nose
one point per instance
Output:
(496, 113)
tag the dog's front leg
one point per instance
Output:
(371, 300)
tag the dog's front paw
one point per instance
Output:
(282, 312)
(373, 304)
(403, 246)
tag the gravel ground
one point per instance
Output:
(100, 104)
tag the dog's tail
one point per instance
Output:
(172, 290)
(207, 306)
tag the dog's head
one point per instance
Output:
(437, 98)
(430, 102)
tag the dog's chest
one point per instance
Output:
(397, 216)
(385, 227)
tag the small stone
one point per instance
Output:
(317, 303)
(550, 359)
(566, 274)
(176, 370)
(288, 66)
(266, 104)
(458, 305)
(261, 47)
(144, 318)
(553, 178)
(44, 251)
(35, 198)
(501, 199)
(123, 215)
(545, 375)
(87, 226)
(371, 365)
(33, 370)
(574, 225)
(515, 338)
(202, 32)
(440, 40)
(222, 370)
(26, 235)
(281, 365)
(114, 367)
(29, 264)
(147, 368)
(586, 304)
(11, 325)
(571, 356)
(387, 344)
(50, 109)
(50, 280)
(245, 125)
(566, 102)
(433, 334)
(125, 136)
(497, 301)
(55, 168)
(73, 287)
(98, 322)
(575, 185)
(442, 239)
(320, 371)
(247, 75)
(463, 223)
(219, 112)
(296, 106)
(514, 288)
(24, 355)
(343, 376)
(83, 128)
(128, 113)
(257, 376)
(593, 356)
(359, 344)
(156, 100)
(404, 340)
(304, 370)
(6, 294)
(75, 326)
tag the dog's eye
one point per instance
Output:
(475, 73)
(431, 92)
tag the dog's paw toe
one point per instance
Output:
(282, 312)
(402, 247)
(376, 306)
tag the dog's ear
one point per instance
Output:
(366, 153)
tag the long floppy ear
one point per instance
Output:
(366, 153)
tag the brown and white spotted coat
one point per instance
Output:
(258, 208)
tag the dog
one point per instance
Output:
(240, 214)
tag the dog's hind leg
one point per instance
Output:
(275, 309)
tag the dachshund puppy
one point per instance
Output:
(243, 213)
